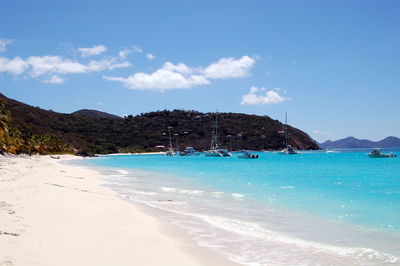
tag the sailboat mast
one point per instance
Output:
(216, 130)
(170, 140)
(214, 138)
(286, 135)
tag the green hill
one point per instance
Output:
(143, 132)
(94, 114)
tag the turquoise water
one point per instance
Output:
(340, 208)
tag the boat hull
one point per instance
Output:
(381, 155)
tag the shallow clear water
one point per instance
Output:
(313, 208)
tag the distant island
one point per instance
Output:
(28, 129)
(352, 142)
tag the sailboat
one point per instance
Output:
(170, 151)
(288, 150)
(215, 150)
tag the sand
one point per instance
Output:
(57, 214)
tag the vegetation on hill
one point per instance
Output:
(145, 131)
(94, 114)
(23, 140)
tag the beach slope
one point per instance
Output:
(57, 214)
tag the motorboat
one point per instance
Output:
(376, 153)
(170, 153)
(247, 155)
(189, 151)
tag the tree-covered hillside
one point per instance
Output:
(144, 132)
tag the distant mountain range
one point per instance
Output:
(352, 142)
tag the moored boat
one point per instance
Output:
(189, 151)
(215, 150)
(248, 155)
(288, 150)
(170, 151)
(376, 153)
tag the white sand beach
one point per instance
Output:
(57, 214)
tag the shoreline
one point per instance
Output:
(60, 214)
(213, 219)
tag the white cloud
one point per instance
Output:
(178, 76)
(54, 80)
(230, 68)
(124, 53)
(170, 76)
(180, 68)
(269, 97)
(95, 50)
(150, 56)
(51, 64)
(48, 68)
(137, 49)
(4, 43)
(15, 66)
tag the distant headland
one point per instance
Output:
(28, 129)
(352, 142)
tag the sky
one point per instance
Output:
(334, 65)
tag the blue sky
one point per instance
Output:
(333, 65)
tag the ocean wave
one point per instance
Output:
(140, 192)
(255, 231)
(182, 191)
(218, 193)
(191, 192)
(252, 243)
(123, 172)
(169, 189)
(238, 195)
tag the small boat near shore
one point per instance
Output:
(189, 151)
(376, 153)
(248, 155)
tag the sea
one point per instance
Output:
(314, 208)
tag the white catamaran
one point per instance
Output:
(215, 150)
(170, 151)
(288, 148)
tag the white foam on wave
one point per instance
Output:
(182, 191)
(253, 230)
(191, 192)
(287, 187)
(237, 195)
(264, 245)
(217, 193)
(169, 189)
(140, 192)
(392, 192)
(123, 172)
